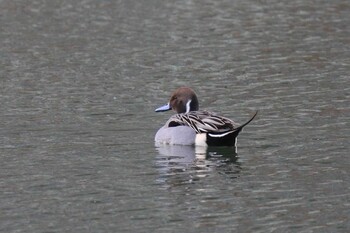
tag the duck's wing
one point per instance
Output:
(203, 122)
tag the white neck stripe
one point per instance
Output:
(188, 108)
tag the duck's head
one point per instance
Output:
(182, 100)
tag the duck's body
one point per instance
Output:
(191, 126)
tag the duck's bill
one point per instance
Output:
(163, 108)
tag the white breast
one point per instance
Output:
(180, 135)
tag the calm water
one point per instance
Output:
(79, 84)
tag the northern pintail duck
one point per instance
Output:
(193, 127)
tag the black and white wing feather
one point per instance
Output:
(203, 122)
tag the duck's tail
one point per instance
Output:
(239, 128)
(228, 138)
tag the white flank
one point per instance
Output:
(201, 139)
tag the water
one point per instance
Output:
(80, 81)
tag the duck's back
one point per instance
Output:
(202, 122)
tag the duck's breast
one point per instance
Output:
(179, 135)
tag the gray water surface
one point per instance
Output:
(79, 84)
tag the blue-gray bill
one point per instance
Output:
(163, 108)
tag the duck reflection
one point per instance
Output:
(179, 165)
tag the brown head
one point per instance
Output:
(182, 100)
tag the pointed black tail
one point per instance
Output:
(239, 128)
(228, 138)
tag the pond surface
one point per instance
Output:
(79, 84)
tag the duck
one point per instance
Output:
(190, 126)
